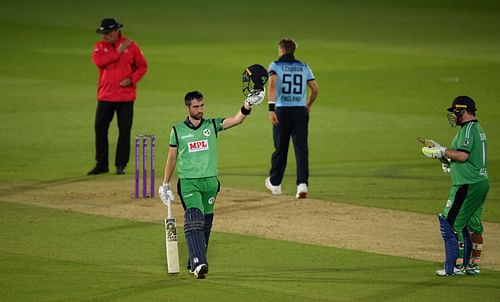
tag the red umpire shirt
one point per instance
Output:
(114, 67)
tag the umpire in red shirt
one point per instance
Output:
(121, 66)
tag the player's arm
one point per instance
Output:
(254, 98)
(456, 155)
(170, 166)
(271, 97)
(165, 191)
(432, 149)
(238, 118)
(271, 89)
(313, 85)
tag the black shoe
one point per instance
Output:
(120, 170)
(200, 271)
(98, 170)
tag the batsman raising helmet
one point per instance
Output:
(193, 150)
(460, 221)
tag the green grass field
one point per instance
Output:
(52, 255)
(386, 71)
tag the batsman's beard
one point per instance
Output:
(197, 116)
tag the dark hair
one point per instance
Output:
(192, 95)
(288, 44)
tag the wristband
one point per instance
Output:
(272, 106)
(245, 111)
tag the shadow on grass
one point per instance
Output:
(33, 186)
(131, 225)
(404, 276)
(386, 174)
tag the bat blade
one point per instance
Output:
(172, 249)
(426, 142)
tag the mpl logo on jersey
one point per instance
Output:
(198, 146)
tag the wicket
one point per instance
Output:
(144, 139)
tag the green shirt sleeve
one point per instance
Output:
(467, 138)
(218, 124)
(173, 141)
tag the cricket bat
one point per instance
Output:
(426, 142)
(172, 249)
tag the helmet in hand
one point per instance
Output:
(254, 79)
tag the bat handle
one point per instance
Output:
(169, 210)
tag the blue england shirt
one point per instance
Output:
(291, 81)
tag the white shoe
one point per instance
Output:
(301, 191)
(457, 271)
(472, 269)
(275, 190)
(200, 271)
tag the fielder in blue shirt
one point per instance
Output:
(289, 108)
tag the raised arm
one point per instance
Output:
(236, 119)
(254, 98)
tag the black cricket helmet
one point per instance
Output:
(459, 106)
(254, 79)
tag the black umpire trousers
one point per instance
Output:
(103, 117)
(293, 122)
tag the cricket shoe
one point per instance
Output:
(98, 170)
(457, 271)
(301, 191)
(472, 269)
(275, 190)
(120, 170)
(200, 271)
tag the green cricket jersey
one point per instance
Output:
(472, 140)
(196, 147)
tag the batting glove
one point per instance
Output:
(446, 164)
(166, 194)
(255, 97)
(446, 168)
(434, 152)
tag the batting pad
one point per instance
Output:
(194, 222)
(209, 218)
(467, 246)
(450, 245)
